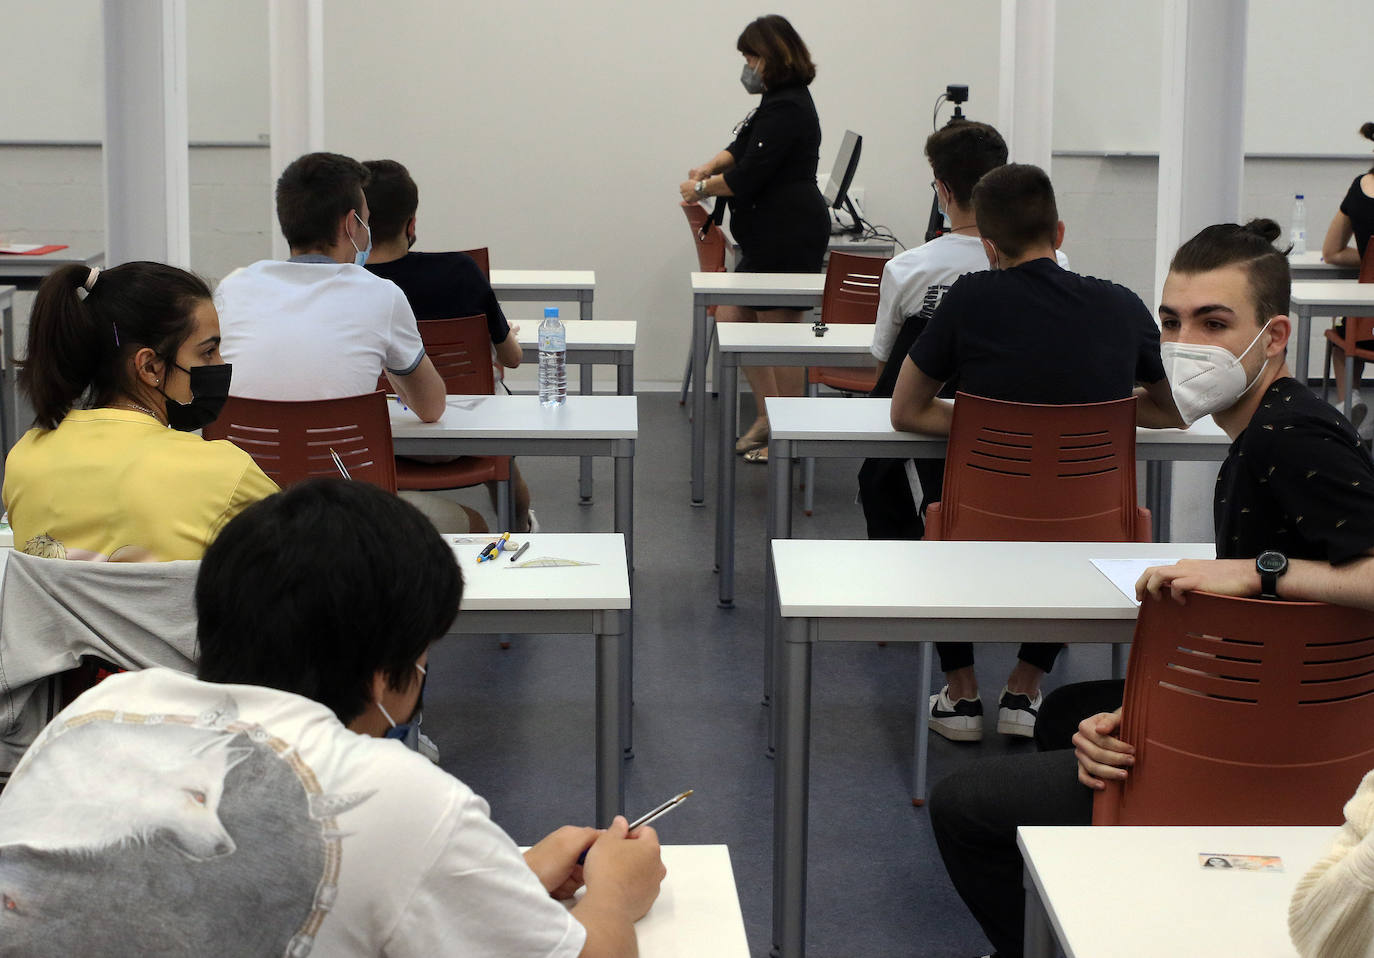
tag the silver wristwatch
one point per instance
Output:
(701, 188)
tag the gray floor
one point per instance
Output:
(517, 724)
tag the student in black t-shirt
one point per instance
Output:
(1025, 331)
(438, 285)
(1296, 482)
(1354, 220)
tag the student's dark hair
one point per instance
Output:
(313, 192)
(785, 58)
(1250, 246)
(1367, 131)
(318, 588)
(392, 197)
(1014, 206)
(79, 341)
(961, 153)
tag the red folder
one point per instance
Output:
(37, 251)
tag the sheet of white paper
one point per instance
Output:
(1123, 573)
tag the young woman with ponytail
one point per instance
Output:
(1354, 220)
(116, 357)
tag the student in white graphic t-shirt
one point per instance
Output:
(261, 808)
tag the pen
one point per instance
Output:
(650, 816)
(492, 548)
(520, 551)
(339, 463)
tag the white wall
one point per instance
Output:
(556, 134)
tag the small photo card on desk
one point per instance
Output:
(1124, 573)
(1222, 861)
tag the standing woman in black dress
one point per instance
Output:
(768, 178)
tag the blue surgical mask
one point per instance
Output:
(360, 257)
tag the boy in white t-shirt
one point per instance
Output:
(259, 809)
(319, 326)
(915, 280)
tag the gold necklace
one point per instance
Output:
(132, 406)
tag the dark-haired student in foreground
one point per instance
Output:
(1296, 483)
(1026, 330)
(261, 808)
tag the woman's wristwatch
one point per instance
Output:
(701, 188)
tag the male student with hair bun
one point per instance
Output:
(1296, 487)
(116, 357)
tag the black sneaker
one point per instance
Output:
(960, 721)
(1016, 713)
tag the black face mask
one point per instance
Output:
(209, 390)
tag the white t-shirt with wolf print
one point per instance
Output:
(161, 815)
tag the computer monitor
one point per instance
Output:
(842, 176)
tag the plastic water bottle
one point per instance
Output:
(553, 355)
(1297, 233)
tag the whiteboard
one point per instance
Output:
(52, 71)
(1307, 76)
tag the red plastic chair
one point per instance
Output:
(461, 351)
(1346, 341)
(1244, 712)
(291, 441)
(1040, 473)
(850, 296)
(710, 259)
(483, 259)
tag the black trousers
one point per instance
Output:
(975, 812)
(959, 655)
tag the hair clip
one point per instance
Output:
(91, 278)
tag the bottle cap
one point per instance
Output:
(550, 312)
(1299, 196)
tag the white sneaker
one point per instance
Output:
(534, 522)
(960, 721)
(1359, 412)
(1016, 713)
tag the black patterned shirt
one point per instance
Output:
(1296, 480)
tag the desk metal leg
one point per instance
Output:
(725, 486)
(791, 773)
(505, 504)
(624, 524)
(1119, 650)
(1304, 343)
(1038, 940)
(778, 526)
(625, 377)
(1159, 496)
(584, 475)
(9, 413)
(611, 667)
(699, 404)
(921, 759)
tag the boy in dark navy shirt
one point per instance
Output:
(1027, 331)
(437, 285)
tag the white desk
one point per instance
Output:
(697, 909)
(557, 286)
(1309, 265)
(592, 599)
(790, 290)
(27, 272)
(697, 912)
(520, 426)
(767, 344)
(843, 428)
(591, 342)
(1335, 297)
(1160, 900)
(7, 371)
(895, 591)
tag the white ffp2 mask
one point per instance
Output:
(1206, 379)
